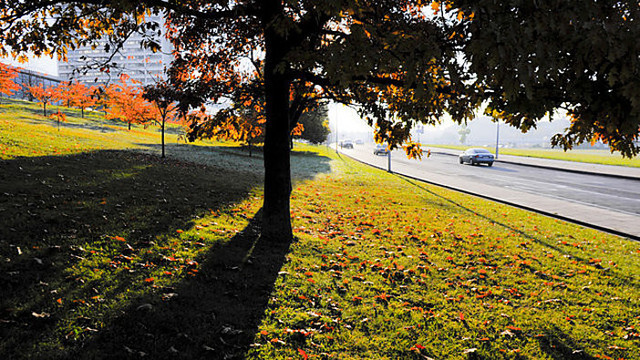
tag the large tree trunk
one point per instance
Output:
(276, 225)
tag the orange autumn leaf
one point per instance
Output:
(303, 354)
(435, 6)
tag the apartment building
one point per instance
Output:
(140, 64)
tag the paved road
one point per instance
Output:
(605, 202)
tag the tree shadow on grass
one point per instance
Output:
(57, 213)
(212, 315)
(305, 165)
(560, 346)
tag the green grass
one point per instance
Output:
(579, 155)
(114, 253)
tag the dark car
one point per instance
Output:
(380, 150)
(476, 156)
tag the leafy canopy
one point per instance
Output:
(315, 124)
(401, 61)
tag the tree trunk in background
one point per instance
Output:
(162, 128)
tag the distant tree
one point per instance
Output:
(243, 122)
(464, 131)
(63, 93)
(81, 96)
(165, 98)
(42, 95)
(7, 83)
(315, 124)
(124, 102)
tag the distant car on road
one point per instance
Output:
(380, 150)
(359, 141)
(476, 156)
(346, 144)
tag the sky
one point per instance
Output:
(45, 64)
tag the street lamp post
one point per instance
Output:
(335, 117)
(389, 160)
(497, 137)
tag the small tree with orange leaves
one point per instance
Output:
(7, 76)
(244, 121)
(59, 116)
(42, 95)
(63, 93)
(82, 96)
(124, 102)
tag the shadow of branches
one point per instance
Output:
(212, 315)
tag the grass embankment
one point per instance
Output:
(579, 155)
(117, 254)
(24, 131)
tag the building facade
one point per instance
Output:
(142, 65)
(27, 78)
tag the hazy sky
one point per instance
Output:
(44, 64)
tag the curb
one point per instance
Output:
(619, 176)
(523, 207)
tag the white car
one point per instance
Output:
(380, 150)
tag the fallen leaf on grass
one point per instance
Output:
(144, 307)
(303, 354)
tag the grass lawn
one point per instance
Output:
(107, 251)
(588, 156)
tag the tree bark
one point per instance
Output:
(276, 215)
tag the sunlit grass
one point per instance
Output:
(25, 131)
(389, 268)
(604, 157)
